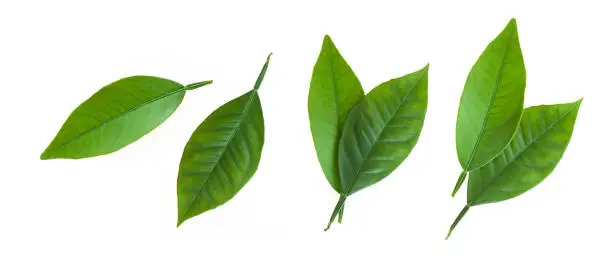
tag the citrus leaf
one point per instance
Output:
(380, 132)
(117, 115)
(222, 154)
(533, 153)
(541, 139)
(491, 103)
(334, 90)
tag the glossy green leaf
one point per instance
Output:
(222, 154)
(491, 103)
(117, 115)
(541, 139)
(380, 132)
(334, 90)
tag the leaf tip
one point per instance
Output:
(512, 27)
(328, 42)
(510, 31)
(426, 68)
(46, 155)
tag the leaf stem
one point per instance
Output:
(459, 217)
(197, 85)
(262, 73)
(340, 214)
(459, 182)
(337, 209)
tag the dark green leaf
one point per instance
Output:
(222, 154)
(491, 103)
(117, 115)
(541, 139)
(381, 131)
(334, 90)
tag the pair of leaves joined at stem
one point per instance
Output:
(360, 139)
(117, 115)
(506, 150)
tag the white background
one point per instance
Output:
(121, 208)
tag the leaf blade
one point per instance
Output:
(222, 154)
(334, 90)
(116, 116)
(543, 135)
(492, 100)
(382, 131)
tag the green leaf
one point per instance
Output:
(381, 131)
(334, 90)
(222, 154)
(491, 103)
(117, 115)
(541, 139)
(533, 153)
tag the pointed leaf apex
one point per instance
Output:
(44, 156)
(179, 222)
(328, 42)
(512, 25)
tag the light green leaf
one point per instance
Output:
(222, 154)
(380, 132)
(117, 115)
(334, 90)
(491, 103)
(541, 139)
